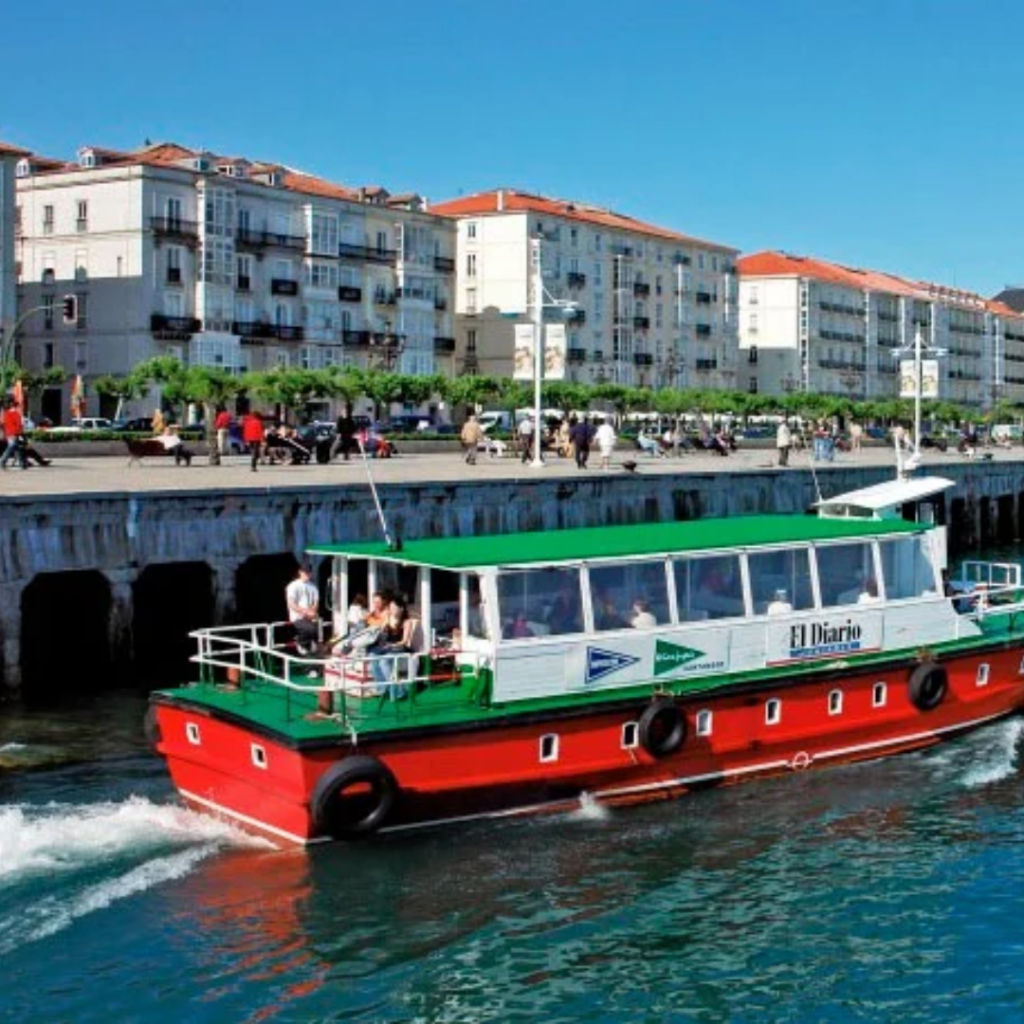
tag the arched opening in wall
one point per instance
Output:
(169, 602)
(65, 635)
(1006, 522)
(259, 587)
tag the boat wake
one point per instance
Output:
(998, 759)
(591, 809)
(60, 862)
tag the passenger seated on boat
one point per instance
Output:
(303, 600)
(518, 628)
(869, 595)
(396, 638)
(779, 605)
(642, 617)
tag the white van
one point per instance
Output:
(495, 420)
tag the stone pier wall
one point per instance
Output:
(119, 536)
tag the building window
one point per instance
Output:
(82, 217)
(48, 355)
(82, 320)
(471, 264)
(81, 264)
(471, 229)
(705, 721)
(47, 220)
(48, 301)
(835, 702)
(878, 695)
(471, 341)
(471, 300)
(81, 362)
(773, 711)
(752, 354)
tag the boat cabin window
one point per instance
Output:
(629, 594)
(907, 568)
(708, 588)
(782, 576)
(476, 620)
(540, 602)
(846, 574)
(444, 602)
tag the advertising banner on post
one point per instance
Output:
(554, 352)
(929, 378)
(523, 353)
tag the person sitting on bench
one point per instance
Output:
(172, 442)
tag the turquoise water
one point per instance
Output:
(877, 892)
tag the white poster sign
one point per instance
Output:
(523, 354)
(554, 352)
(929, 378)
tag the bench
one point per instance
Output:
(152, 448)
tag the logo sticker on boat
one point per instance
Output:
(670, 657)
(602, 663)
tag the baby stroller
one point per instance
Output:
(286, 447)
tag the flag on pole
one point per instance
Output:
(77, 396)
(18, 394)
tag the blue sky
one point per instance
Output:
(875, 133)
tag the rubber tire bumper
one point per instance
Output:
(329, 804)
(662, 728)
(928, 685)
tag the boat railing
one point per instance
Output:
(988, 588)
(260, 652)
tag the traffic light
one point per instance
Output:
(70, 309)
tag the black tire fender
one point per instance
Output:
(662, 727)
(928, 685)
(356, 815)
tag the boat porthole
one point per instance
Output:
(835, 702)
(353, 798)
(548, 748)
(662, 727)
(192, 733)
(630, 736)
(259, 756)
(982, 677)
(705, 722)
(927, 685)
(773, 711)
(878, 695)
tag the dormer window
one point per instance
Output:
(23, 168)
(87, 159)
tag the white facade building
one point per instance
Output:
(654, 308)
(224, 262)
(814, 326)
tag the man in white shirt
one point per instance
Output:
(526, 429)
(780, 604)
(303, 600)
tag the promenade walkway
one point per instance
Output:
(112, 475)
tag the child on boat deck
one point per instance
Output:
(396, 638)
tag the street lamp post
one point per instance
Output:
(7, 349)
(918, 380)
(567, 306)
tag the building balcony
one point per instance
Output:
(384, 298)
(643, 359)
(444, 264)
(706, 364)
(576, 317)
(596, 356)
(356, 339)
(262, 330)
(347, 251)
(161, 324)
(576, 279)
(349, 293)
(702, 330)
(282, 286)
(250, 238)
(288, 332)
(444, 346)
(641, 289)
(414, 293)
(681, 260)
(641, 323)
(577, 355)
(888, 317)
(175, 227)
(703, 298)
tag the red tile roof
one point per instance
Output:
(6, 149)
(508, 200)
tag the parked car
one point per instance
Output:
(138, 425)
(76, 426)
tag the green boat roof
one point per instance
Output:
(601, 542)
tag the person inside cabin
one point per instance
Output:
(303, 601)
(564, 616)
(396, 638)
(606, 615)
(869, 595)
(378, 613)
(519, 627)
(779, 605)
(642, 617)
(357, 613)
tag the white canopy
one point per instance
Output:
(883, 500)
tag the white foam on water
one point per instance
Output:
(10, 748)
(66, 837)
(63, 841)
(591, 809)
(998, 758)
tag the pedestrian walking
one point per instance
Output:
(14, 432)
(783, 442)
(345, 433)
(605, 438)
(856, 435)
(222, 424)
(253, 435)
(526, 432)
(471, 436)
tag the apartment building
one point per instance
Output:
(228, 262)
(9, 157)
(654, 308)
(811, 325)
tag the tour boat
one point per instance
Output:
(608, 664)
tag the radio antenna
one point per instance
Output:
(393, 544)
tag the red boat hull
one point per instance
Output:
(508, 765)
